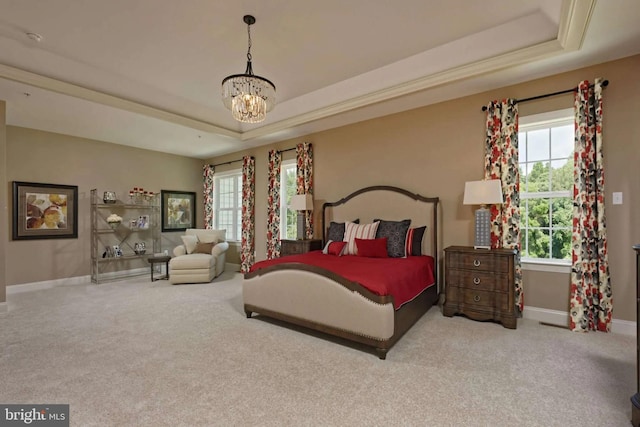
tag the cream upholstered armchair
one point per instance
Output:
(200, 258)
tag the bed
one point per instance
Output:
(310, 291)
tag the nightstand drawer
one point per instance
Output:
(478, 280)
(485, 299)
(297, 247)
(479, 262)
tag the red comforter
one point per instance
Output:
(402, 278)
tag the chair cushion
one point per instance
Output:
(191, 261)
(207, 236)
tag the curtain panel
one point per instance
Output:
(208, 188)
(247, 249)
(501, 162)
(273, 205)
(304, 180)
(591, 301)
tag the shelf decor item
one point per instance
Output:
(109, 197)
(114, 220)
(44, 211)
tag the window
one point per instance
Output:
(228, 204)
(546, 144)
(288, 217)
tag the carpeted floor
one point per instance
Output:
(136, 353)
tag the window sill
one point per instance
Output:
(553, 267)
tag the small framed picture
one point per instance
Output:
(143, 222)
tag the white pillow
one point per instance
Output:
(190, 243)
(353, 231)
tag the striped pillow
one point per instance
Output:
(414, 241)
(360, 231)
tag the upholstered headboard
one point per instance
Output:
(388, 203)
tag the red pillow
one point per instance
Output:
(335, 248)
(372, 248)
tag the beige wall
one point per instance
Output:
(45, 157)
(4, 224)
(435, 149)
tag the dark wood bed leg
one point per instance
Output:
(248, 313)
(382, 353)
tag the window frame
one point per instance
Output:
(530, 123)
(235, 173)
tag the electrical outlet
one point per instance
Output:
(617, 198)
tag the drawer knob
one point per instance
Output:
(476, 298)
(476, 262)
(476, 280)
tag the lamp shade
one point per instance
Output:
(301, 202)
(485, 192)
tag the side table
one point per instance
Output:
(297, 247)
(159, 259)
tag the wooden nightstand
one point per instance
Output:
(295, 247)
(480, 284)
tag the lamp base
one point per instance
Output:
(300, 231)
(483, 229)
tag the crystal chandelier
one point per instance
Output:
(249, 97)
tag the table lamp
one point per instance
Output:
(301, 203)
(485, 192)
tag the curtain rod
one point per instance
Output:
(605, 83)
(229, 162)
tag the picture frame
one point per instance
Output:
(178, 210)
(44, 211)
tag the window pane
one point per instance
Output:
(562, 144)
(562, 175)
(561, 241)
(538, 243)
(524, 252)
(522, 147)
(562, 212)
(537, 177)
(538, 212)
(538, 145)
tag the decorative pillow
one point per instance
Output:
(372, 248)
(396, 234)
(203, 248)
(334, 248)
(210, 235)
(336, 230)
(190, 243)
(360, 231)
(414, 241)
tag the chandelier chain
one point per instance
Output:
(249, 49)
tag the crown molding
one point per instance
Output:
(65, 88)
(573, 25)
(575, 16)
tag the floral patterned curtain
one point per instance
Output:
(591, 301)
(247, 250)
(273, 205)
(501, 162)
(304, 180)
(207, 175)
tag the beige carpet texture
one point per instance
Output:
(137, 353)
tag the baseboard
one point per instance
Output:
(231, 267)
(561, 318)
(35, 286)
(77, 280)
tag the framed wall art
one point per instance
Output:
(44, 211)
(178, 210)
